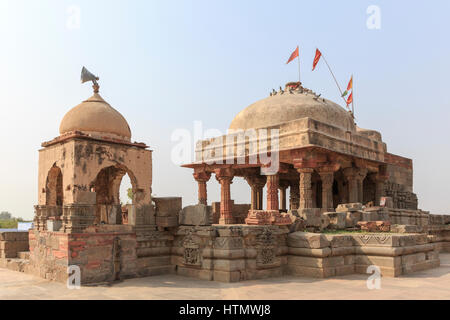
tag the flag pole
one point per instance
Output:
(299, 78)
(353, 100)
(334, 77)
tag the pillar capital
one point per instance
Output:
(304, 170)
(202, 176)
(328, 167)
(283, 184)
(350, 173)
(256, 181)
(224, 174)
(362, 173)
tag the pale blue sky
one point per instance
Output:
(165, 64)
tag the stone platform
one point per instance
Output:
(225, 253)
(327, 255)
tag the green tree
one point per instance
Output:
(130, 194)
(5, 215)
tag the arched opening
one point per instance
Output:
(126, 197)
(107, 186)
(316, 186)
(54, 187)
(369, 190)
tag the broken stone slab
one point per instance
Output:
(349, 207)
(375, 226)
(197, 215)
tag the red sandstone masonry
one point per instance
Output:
(398, 161)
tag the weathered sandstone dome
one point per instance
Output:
(97, 118)
(292, 105)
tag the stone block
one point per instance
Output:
(313, 217)
(197, 215)
(307, 240)
(54, 225)
(345, 270)
(337, 220)
(225, 276)
(229, 265)
(340, 240)
(167, 206)
(312, 272)
(316, 262)
(380, 261)
(352, 218)
(402, 228)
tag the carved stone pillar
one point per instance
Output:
(362, 173)
(380, 180)
(260, 195)
(257, 184)
(225, 177)
(351, 175)
(272, 192)
(202, 178)
(294, 195)
(283, 185)
(306, 200)
(327, 177)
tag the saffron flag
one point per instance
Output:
(316, 59)
(349, 87)
(293, 55)
(350, 84)
(350, 99)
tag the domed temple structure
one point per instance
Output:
(317, 151)
(341, 180)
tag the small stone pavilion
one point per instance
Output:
(351, 202)
(324, 158)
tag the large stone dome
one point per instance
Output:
(292, 105)
(97, 118)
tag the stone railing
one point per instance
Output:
(44, 213)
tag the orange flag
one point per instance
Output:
(316, 59)
(350, 99)
(293, 55)
(350, 84)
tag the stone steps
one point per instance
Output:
(25, 255)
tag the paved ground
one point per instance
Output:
(430, 284)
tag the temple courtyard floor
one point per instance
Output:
(429, 284)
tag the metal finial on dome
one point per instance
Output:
(88, 76)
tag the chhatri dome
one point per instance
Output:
(96, 118)
(293, 103)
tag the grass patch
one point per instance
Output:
(349, 232)
(9, 224)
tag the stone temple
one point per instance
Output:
(351, 203)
